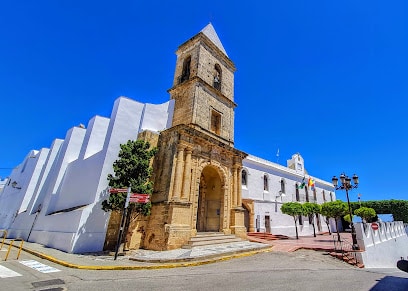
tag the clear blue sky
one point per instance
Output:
(327, 79)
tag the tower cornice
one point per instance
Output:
(205, 85)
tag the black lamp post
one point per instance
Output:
(346, 185)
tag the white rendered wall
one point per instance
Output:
(74, 174)
(157, 117)
(268, 203)
(14, 200)
(382, 248)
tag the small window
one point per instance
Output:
(266, 187)
(217, 77)
(331, 196)
(215, 122)
(244, 178)
(324, 196)
(314, 195)
(185, 75)
(282, 184)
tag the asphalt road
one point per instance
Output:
(301, 270)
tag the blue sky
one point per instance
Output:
(327, 79)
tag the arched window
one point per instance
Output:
(331, 196)
(314, 195)
(244, 178)
(266, 187)
(282, 184)
(185, 75)
(217, 77)
(324, 196)
(307, 194)
(297, 193)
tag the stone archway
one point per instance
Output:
(210, 201)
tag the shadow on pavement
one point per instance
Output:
(391, 283)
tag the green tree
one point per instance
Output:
(334, 209)
(347, 217)
(311, 209)
(398, 208)
(293, 209)
(366, 213)
(132, 169)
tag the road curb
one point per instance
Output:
(198, 262)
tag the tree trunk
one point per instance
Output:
(314, 229)
(337, 228)
(328, 226)
(297, 236)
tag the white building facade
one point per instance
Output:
(267, 185)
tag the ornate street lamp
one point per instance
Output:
(345, 184)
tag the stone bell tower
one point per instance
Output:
(197, 171)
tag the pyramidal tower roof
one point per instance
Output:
(209, 31)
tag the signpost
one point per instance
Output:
(374, 226)
(130, 198)
(122, 220)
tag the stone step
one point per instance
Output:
(212, 237)
(267, 236)
(205, 239)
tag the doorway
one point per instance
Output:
(267, 224)
(209, 210)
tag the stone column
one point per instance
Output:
(178, 174)
(226, 208)
(234, 186)
(187, 175)
(239, 187)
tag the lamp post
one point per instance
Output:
(345, 184)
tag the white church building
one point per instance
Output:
(54, 196)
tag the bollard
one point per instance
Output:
(4, 237)
(11, 244)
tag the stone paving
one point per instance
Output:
(196, 252)
(138, 259)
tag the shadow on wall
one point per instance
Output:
(391, 283)
(93, 218)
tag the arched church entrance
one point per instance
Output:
(209, 210)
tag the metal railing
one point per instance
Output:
(345, 248)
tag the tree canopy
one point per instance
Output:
(365, 213)
(131, 169)
(310, 209)
(293, 209)
(398, 208)
(334, 209)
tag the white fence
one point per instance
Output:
(382, 248)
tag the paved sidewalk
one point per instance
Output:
(147, 259)
(143, 259)
(322, 242)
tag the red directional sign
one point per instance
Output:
(139, 198)
(374, 226)
(116, 190)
